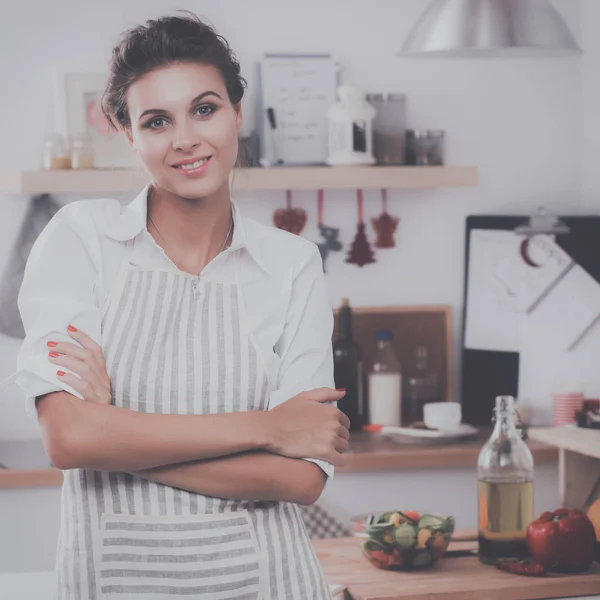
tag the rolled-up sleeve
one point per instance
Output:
(305, 346)
(58, 289)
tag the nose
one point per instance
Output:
(186, 138)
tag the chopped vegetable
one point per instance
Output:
(413, 515)
(522, 567)
(405, 535)
(431, 521)
(422, 537)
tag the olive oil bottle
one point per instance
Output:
(505, 488)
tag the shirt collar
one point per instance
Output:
(132, 221)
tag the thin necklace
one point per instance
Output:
(224, 243)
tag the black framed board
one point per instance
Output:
(487, 371)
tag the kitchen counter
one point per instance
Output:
(375, 452)
(578, 460)
(451, 578)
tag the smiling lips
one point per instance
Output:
(193, 166)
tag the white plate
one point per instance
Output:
(461, 432)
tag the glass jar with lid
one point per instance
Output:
(55, 152)
(82, 156)
(389, 128)
(425, 148)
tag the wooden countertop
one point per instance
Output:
(374, 452)
(458, 578)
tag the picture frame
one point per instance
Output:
(295, 91)
(77, 95)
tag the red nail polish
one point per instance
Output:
(53, 354)
(60, 373)
(340, 389)
(71, 328)
(52, 344)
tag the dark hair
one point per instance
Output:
(161, 42)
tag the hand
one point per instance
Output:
(306, 427)
(93, 382)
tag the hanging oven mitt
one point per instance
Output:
(40, 211)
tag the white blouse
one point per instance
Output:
(74, 262)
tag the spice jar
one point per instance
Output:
(389, 128)
(81, 152)
(55, 152)
(425, 147)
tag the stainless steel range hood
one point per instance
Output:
(490, 28)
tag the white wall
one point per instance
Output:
(590, 22)
(518, 121)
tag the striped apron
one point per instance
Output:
(174, 343)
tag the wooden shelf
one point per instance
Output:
(575, 439)
(113, 181)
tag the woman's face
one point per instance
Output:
(184, 128)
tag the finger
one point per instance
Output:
(81, 362)
(335, 458)
(85, 389)
(79, 367)
(344, 420)
(342, 445)
(325, 395)
(85, 340)
(75, 382)
(68, 348)
(86, 372)
(343, 433)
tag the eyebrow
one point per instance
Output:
(160, 111)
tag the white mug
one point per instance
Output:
(444, 416)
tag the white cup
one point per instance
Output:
(444, 416)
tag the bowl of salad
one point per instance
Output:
(403, 540)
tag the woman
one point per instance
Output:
(201, 344)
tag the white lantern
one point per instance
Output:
(350, 128)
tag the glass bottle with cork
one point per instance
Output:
(348, 369)
(505, 488)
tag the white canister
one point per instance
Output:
(350, 125)
(385, 399)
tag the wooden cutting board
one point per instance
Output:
(463, 578)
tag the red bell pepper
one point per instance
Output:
(563, 540)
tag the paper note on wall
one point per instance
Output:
(503, 287)
(560, 344)
(299, 90)
(570, 309)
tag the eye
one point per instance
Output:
(205, 110)
(156, 123)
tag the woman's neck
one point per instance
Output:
(194, 230)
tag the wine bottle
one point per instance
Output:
(348, 369)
